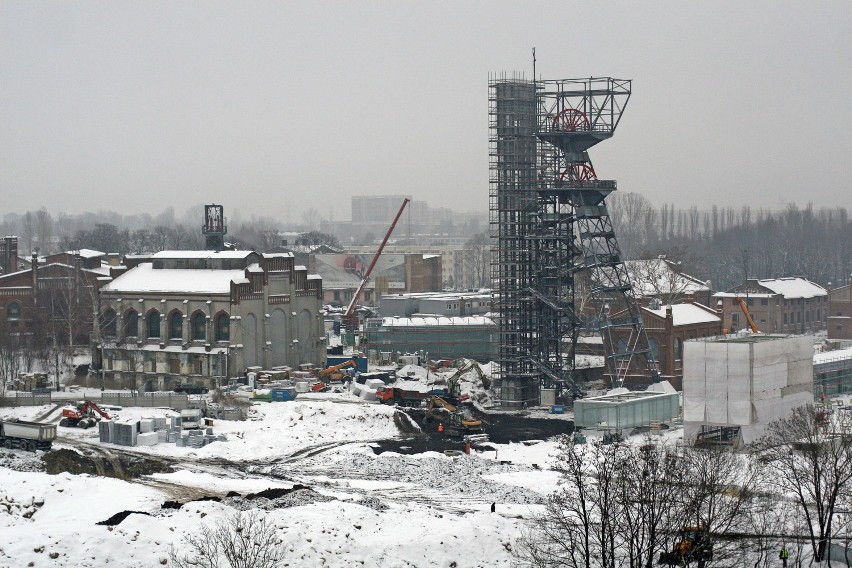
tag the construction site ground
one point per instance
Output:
(317, 465)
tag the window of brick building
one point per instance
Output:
(13, 311)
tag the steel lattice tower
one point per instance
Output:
(552, 232)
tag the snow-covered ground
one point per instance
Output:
(362, 509)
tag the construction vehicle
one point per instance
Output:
(747, 315)
(453, 383)
(692, 548)
(29, 436)
(455, 421)
(84, 415)
(350, 318)
(334, 373)
(401, 397)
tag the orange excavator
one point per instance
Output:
(84, 414)
(748, 317)
(334, 373)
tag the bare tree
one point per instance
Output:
(44, 230)
(659, 279)
(28, 231)
(311, 219)
(244, 540)
(617, 507)
(809, 455)
(625, 504)
(477, 256)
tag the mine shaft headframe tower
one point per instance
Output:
(550, 226)
(572, 116)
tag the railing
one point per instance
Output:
(176, 401)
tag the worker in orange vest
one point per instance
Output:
(440, 427)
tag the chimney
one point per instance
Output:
(10, 254)
(34, 265)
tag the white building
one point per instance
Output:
(734, 386)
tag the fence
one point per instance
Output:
(150, 400)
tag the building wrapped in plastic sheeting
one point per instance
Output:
(734, 386)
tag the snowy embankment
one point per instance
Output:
(357, 509)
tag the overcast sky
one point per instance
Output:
(273, 107)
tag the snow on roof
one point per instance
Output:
(741, 295)
(412, 322)
(656, 276)
(278, 255)
(428, 256)
(202, 254)
(190, 349)
(89, 253)
(314, 277)
(103, 270)
(835, 355)
(254, 268)
(794, 287)
(144, 278)
(686, 314)
(589, 361)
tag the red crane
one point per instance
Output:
(349, 316)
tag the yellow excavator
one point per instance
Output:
(453, 386)
(455, 421)
(692, 548)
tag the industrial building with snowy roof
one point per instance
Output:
(777, 305)
(203, 316)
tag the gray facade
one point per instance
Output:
(202, 316)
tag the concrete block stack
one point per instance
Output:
(150, 431)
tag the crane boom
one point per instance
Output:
(748, 317)
(351, 308)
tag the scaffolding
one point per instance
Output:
(549, 223)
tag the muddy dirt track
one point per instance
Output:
(501, 427)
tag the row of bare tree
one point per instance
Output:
(726, 244)
(627, 504)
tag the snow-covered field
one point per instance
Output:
(361, 509)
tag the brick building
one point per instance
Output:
(778, 305)
(52, 300)
(669, 326)
(839, 321)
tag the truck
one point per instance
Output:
(401, 397)
(30, 436)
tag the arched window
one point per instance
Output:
(131, 324)
(13, 311)
(199, 326)
(223, 327)
(176, 325)
(655, 349)
(154, 323)
(109, 322)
